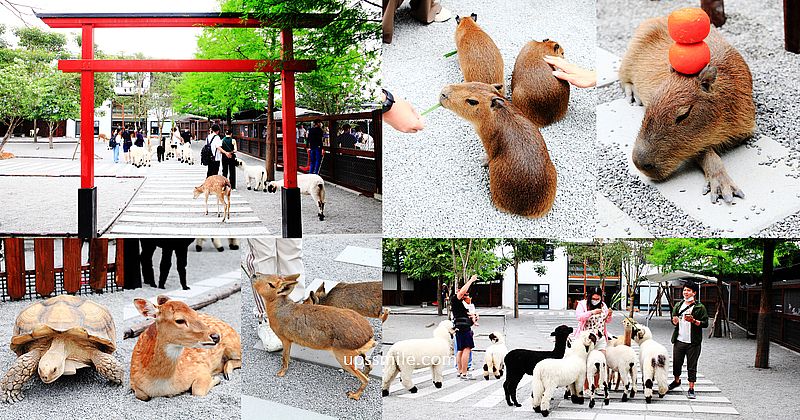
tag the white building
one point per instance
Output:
(546, 291)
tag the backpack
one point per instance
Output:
(206, 155)
(112, 143)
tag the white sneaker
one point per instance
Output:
(443, 16)
(269, 340)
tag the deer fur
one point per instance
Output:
(364, 298)
(221, 187)
(343, 332)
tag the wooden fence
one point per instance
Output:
(73, 277)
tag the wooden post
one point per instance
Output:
(15, 267)
(791, 25)
(98, 263)
(715, 10)
(765, 310)
(44, 261)
(72, 264)
(119, 262)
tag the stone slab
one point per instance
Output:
(369, 257)
(607, 67)
(256, 409)
(615, 223)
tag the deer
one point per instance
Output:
(364, 298)
(221, 187)
(182, 350)
(343, 332)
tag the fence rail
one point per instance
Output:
(73, 277)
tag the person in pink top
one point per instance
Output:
(593, 315)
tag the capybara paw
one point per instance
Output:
(437, 384)
(722, 186)
(384, 392)
(413, 390)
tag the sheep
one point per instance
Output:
(596, 365)
(518, 362)
(622, 360)
(653, 360)
(407, 355)
(233, 244)
(309, 184)
(493, 357)
(188, 155)
(255, 176)
(570, 371)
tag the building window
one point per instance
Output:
(78, 128)
(154, 128)
(549, 253)
(534, 296)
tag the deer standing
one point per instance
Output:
(219, 186)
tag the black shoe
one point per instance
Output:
(151, 284)
(161, 286)
(186, 287)
(690, 394)
(674, 385)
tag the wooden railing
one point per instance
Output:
(73, 277)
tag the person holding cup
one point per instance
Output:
(689, 319)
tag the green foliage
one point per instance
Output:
(603, 256)
(57, 96)
(36, 39)
(523, 250)
(715, 257)
(16, 96)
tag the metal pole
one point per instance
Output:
(292, 222)
(791, 25)
(87, 194)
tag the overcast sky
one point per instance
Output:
(152, 42)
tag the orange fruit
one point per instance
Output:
(689, 58)
(688, 25)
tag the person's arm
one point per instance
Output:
(607, 313)
(701, 318)
(235, 149)
(581, 312)
(402, 116)
(465, 288)
(576, 75)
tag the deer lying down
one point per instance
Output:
(343, 332)
(221, 187)
(365, 298)
(182, 350)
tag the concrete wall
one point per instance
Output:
(555, 277)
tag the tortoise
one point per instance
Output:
(57, 337)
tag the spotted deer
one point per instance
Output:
(181, 351)
(221, 187)
(343, 332)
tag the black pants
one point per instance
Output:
(180, 246)
(166, 263)
(229, 166)
(146, 259)
(692, 354)
(213, 168)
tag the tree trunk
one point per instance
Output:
(764, 310)
(399, 278)
(516, 285)
(50, 126)
(35, 132)
(229, 120)
(271, 142)
(439, 297)
(11, 126)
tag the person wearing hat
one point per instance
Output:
(689, 319)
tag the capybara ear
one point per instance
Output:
(707, 77)
(498, 87)
(458, 19)
(147, 309)
(162, 299)
(546, 39)
(556, 47)
(498, 103)
(474, 17)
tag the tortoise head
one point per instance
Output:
(51, 365)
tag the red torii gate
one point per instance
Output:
(87, 66)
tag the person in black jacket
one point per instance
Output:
(463, 324)
(126, 144)
(347, 139)
(315, 147)
(689, 319)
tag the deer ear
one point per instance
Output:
(147, 309)
(162, 299)
(707, 77)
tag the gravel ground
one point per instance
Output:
(345, 212)
(755, 29)
(440, 166)
(306, 385)
(87, 395)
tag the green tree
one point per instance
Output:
(160, 96)
(522, 250)
(57, 99)
(16, 97)
(603, 256)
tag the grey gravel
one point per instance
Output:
(755, 29)
(87, 395)
(435, 183)
(307, 385)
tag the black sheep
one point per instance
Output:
(520, 361)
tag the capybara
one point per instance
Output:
(522, 179)
(478, 56)
(687, 116)
(542, 97)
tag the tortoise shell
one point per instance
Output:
(65, 314)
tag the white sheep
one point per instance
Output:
(407, 355)
(622, 360)
(653, 360)
(309, 184)
(570, 371)
(596, 365)
(255, 176)
(188, 154)
(494, 355)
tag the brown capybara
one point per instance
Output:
(478, 56)
(542, 97)
(522, 179)
(687, 116)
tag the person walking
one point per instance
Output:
(463, 325)
(115, 141)
(175, 140)
(215, 142)
(229, 159)
(179, 246)
(689, 319)
(315, 147)
(593, 315)
(126, 144)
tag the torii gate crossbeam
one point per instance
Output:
(87, 66)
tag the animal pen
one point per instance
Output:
(287, 66)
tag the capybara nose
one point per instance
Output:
(214, 338)
(643, 162)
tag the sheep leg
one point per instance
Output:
(436, 370)
(500, 371)
(537, 392)
(346, 358)
(389, 373)
(405, 378)
(486, 371)
(546, 396)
